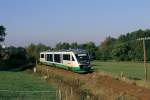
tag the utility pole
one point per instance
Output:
(144, 49)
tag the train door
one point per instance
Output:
(67, 59)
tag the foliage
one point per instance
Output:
(106, 48)
(34, 50)
(16, 57)
(2, 33)
(125, 47)
(60, 46)
(2, 38)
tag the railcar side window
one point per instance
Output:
(57, 58)
(42, 55)
(73, 58)
(66, 56)
(49, 57)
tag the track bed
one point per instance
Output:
(98, 84)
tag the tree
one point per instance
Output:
(74, 45)
(2, 33)
(2, 38)
(120, 52)
(33, 51)
(14, 57)
(125, 47)
(106, 48)
(60, 46)
(90, 47)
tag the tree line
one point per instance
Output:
(124, 48)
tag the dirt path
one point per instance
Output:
(100, 85)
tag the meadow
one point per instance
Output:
(132, 70)
(24, 86)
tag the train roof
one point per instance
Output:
(69, 50)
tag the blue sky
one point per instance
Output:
(53, 21)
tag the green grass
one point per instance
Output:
(130, 69)
(22, 81)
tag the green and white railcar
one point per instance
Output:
(75, 60)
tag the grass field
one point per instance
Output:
(130, 69)
(24, 86)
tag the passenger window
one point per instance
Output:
(42, 55)
(66, 57)
(57, 58)
(73, 58)
(49, 57)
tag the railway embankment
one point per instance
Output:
(92, 86)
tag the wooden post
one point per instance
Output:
(71, 92)
(144, 49)
(36, 63)
(122, 74)
(66, 95)
(59, 94)
(34, 69)
(47, 73)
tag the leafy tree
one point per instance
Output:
(33, 51)
(2, 38)
(125, 47)
(60, 46)
(14, 57)
(90, 47)
(106, 48)
(2, 33)
(120, 52)
(74, 45)
(17, 53)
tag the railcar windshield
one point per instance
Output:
(84, 57)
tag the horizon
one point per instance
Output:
(51, 22)
(53, 46)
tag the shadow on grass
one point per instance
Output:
(88, 72)
(134, 78)
(95, 65)
(17, 68)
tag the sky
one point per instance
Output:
(53, 21)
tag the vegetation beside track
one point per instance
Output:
(96, 85)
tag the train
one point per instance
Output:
(76, 60)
